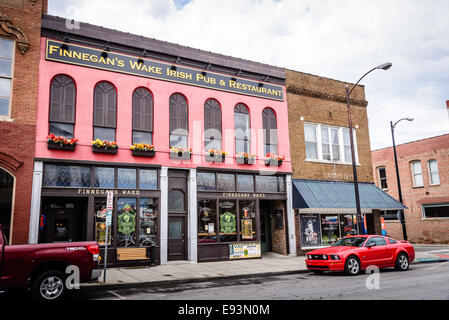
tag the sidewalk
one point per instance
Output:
(186, 272)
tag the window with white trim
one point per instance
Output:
(382, 178)
(328, 143)
(434, 175)
(6, 70)
(435, 210)
(417, 174)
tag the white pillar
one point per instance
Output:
(164, 215)
(192, 242)
(290, 217)
(36, 192)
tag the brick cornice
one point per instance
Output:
(9, 28)
(9, 162)
(324, 95)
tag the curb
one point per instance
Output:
(430, 260)
(129, 285)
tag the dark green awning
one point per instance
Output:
(340, 195)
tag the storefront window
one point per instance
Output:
(67, 176)
(104, 177)
(205, 181)
(329, 229)
(207, 221)
(228, 221)
(148, 179)
(348, 225)
(247, 220)
(267, 184)
(100, 221)
(126, 178)
(225, 182)
(310, 230)
(245, 183)
(126, 222)
(148, 222)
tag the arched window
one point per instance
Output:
(270, 136)
(212, 125)
(179, 122)
(142, 116)
(62, 106)
(6, 195)
(105, 111)
(242, 129)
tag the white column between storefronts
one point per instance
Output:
(164, 216)
(290, 217)
(192, 218)
(36, 192)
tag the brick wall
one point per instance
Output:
(18, 133)
(418, 229)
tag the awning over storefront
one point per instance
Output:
(317, 194)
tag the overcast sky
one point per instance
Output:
(336, 39)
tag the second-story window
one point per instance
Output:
(212, 125)
(62, 106)
(6, 69)
(105, 111)
(417, 174)
(142, 116)
(270, 137)
(382, 178)
(433, 171)
(179, 121)
(242, 129)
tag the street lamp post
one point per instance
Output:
(402, 217)
(384, 66)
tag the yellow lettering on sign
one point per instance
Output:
(53, 49)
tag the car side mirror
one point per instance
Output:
(369, 245)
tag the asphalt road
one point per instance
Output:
(420, 282)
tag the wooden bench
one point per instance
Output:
(127, 254)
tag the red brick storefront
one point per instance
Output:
(20, 23)
(421, 228)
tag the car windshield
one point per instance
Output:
(350, 242)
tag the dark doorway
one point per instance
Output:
(265, 226)
(6, 193)
(63, 220)
(176, 238)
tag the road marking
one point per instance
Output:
(438, 265)
(437, 251)
(117, 295)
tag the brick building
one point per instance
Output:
(323, 192)
(20, 22)
(424, 173)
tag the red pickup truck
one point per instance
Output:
(45, 268)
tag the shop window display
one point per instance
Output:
(310, 230)
(100, 222)
(247, 220)
(228, 221)
(207, 221)
(126, 222)
(147, 222)
(330, 232)
(348, 225)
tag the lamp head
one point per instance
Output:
(410, 119)
(385, 66)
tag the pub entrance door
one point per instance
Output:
(176, 237)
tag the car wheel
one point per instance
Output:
(49, 286)
(352, 266)
(402, 262)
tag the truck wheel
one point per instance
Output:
(49, 286)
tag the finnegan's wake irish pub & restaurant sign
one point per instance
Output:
(90, 57)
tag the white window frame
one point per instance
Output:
(432, 183)
(380, 179)
(414, 174)
(423, 207)
(341, 149)
(13, 53)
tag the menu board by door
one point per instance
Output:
(244, 250)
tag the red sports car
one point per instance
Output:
(355, 253)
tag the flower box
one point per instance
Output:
(143, 153)
(245, 159)
(60, 146)
(96, 149)
(215, 156)
(274, 160)
(60, 143)
(180, 153)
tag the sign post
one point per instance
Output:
(109, 205)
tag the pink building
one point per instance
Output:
(424, 174)
(194, 146)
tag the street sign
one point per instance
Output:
(109, 200)
(109, 205)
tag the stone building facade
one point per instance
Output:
(20, 22)
(424, 175)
